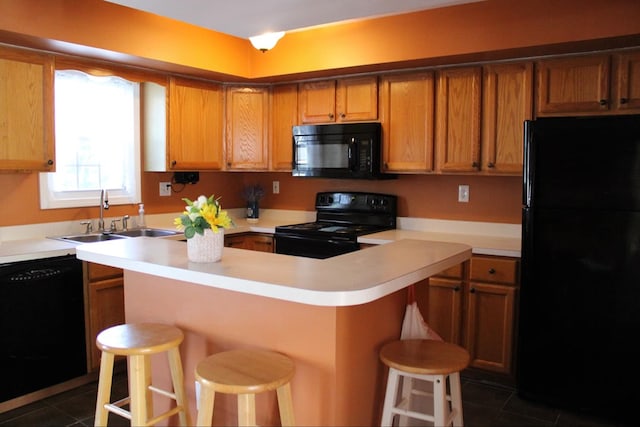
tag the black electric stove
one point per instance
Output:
(340, 218)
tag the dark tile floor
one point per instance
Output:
(484, 405)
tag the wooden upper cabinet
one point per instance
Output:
(458, 107)
(507, 101)
(247, 128)
(344, 100)
(26, 111)
(627, 81)
(284, 115)
(407, 118)
(195, 125)
(574, 85)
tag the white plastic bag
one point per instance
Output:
(413, 325)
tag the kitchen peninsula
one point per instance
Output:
(331, 316)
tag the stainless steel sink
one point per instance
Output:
(149, 232)
(90, 238)
(101, 237)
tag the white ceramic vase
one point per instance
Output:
(207, 247)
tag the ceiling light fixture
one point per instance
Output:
(266, 41)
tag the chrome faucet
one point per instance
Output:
(104, 204)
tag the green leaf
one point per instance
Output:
(189, 232)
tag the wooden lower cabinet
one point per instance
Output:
(479, 316)
(262, 242)
(105, 291)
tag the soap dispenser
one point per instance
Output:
(141, 222)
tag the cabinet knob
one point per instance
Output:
(472, 290)
(49, 162)
(603, 102)
(492, 271)
(475, 165)
(491, 165)
(456, 289)
(331, 116)
(173, 163)
(343, 115)
(624, 100)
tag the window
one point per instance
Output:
(97, 128)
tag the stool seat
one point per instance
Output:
(139, 341)
(427, 357)
(141, 338)
(245, 373)
(430, 361)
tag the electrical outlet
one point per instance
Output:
(165, 189)
(463, 193)
(276, 187)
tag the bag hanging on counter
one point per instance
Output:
(413, 325)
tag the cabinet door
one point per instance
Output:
(444, 308)
(574, 85)
(247, 121)
(106, 309)
(407, 115)
(507, 102)
(627, 87)
(489, 328)
(317, 102)
(458, 120)
(262, 243)
(284, 115)
(357, 99)
(236, 241)
(195, 125)
(26, 111)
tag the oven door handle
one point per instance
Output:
(352, 150)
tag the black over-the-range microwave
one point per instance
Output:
(346, 150)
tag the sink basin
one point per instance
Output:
(90, 238)
(149, 232)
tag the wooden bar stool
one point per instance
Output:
(138, 342)
(245, 373)
(427, 360)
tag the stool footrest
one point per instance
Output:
(116, 408)
(163, 392)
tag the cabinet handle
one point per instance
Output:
(491, 165)
(492, 271)
(49, 162)
(624, 100)
(603, 102)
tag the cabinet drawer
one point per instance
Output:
(452, 272)
(99, 271)
(494, 269)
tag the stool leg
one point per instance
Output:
(285, 404)
(247, 409)
(177, 377)
(140, 403)
(205, 406)
(104, 389)
(440, 404)
(390, 398)
(456, 399)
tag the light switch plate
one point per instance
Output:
(463, 193)
(276, 187)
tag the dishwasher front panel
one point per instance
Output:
(42, 325)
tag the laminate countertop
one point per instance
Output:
(350, 279)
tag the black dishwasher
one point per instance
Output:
(42, 332)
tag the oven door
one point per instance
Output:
(313, 246)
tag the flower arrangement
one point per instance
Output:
(201, 214)
(253, 193)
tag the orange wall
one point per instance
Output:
(488, 29)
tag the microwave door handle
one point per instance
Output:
(351, 152)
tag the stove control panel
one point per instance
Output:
(357, 201)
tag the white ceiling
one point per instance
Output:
(246, 18)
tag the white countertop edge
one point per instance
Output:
(318, 274)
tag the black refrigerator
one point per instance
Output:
(579, 314)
